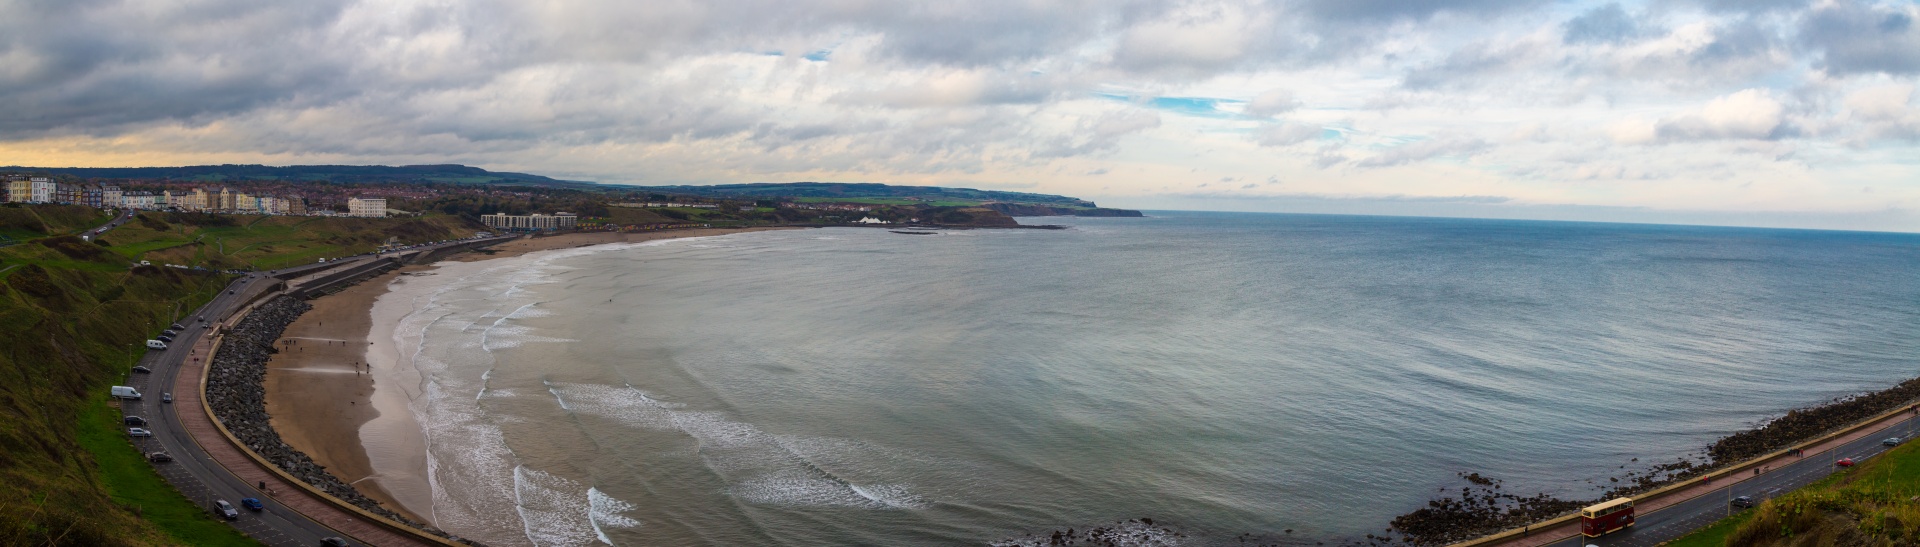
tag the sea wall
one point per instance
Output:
(236, 393)
(338, 280)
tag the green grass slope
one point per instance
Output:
(1874, 504)
(20, 222)
(268, 242)
(73, 313)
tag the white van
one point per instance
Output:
(156, 344)
(124, 392)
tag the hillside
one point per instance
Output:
(19, 222)
(75, 312)
(72, 311)
(268, 242)
(334, 173)
(1877, 503)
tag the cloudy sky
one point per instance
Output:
(1748, 112)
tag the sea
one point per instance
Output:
(1300, 377)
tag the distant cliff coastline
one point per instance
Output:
(1029, 210)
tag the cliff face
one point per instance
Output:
(1026, 210)
(971, 216)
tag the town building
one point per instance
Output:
(533, 222)
(367, 207)
(15, 188)
(40, 190)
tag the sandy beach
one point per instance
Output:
(337, 390)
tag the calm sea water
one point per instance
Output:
(1227, 373)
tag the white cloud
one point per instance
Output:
(1272, 102)
(1886, 111)
(1747, 114)
(1288, 133)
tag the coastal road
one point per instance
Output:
(193, 471)
(1672, 522)
(119, 217)
(198, 473)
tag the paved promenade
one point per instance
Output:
(194, 418)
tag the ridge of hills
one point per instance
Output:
(1007, 202)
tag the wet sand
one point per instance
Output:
(321, 392)
(523, 246)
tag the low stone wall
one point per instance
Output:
(236, 393)
(336, 281)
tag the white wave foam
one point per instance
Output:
(554, 511)
(763, 468)
(605, 510)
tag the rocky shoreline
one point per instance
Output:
(235, 392)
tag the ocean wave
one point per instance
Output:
(762, 468)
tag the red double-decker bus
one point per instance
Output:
(1599, 519)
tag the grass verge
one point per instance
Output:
(134, 484)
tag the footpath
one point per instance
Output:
(190, 407)
(200, 425)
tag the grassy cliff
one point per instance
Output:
(23, 222)
(1874, 504)
(268, 242)
(75, 313)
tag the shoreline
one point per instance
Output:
(349, 406)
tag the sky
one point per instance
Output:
(1754, 112)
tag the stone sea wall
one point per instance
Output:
(236, 391)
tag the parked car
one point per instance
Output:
(138, 432)
(229, 292)
(166, 397)
(1892, 441)
(143, 370)
(159, 457)
(156, 344)
(164, 338)
(251, 504)
(176, 326)
(1844, 462)
(170, 332)
(333, 542)
(134, 421)
(226, 510)
(1743, 501)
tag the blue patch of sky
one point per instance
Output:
(818, 55)
(1200, 107)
